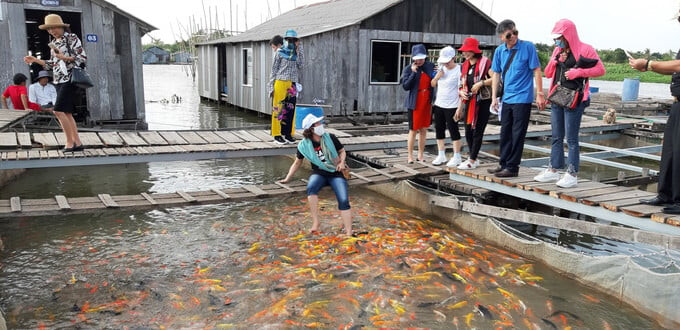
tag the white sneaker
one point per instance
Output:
(547, 175)
(468, 165)
(455, 161)
(567, 181)
(439, 160)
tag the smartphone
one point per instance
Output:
(627, 54)
(53, 47)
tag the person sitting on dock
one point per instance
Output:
(42, 92)
(446, 103)
(514, 63)
(415, 79)
(327, 156)
(668, 191)
(286, 72)
(571, 64)
(476, 92)
(18, 95)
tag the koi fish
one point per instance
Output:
(469, 318)
(457, 305)
(484, 311)
(591, 298)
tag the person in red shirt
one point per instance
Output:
(18, 94)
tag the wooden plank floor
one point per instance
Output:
(611, 197)
(17, 206)
(14, 147)
(9, 117)
(147, 138)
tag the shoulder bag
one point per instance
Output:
(499, 92)
(563, 96)
(79, 77)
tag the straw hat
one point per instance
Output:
(53, 20)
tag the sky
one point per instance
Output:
(605, 24)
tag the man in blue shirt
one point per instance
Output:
(517, 95)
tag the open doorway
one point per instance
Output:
(37, 46)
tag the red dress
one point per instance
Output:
(422, 114)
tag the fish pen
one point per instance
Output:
(251, 263)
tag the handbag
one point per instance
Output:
(564, 97)
(463, 110)
(79, 77)
(484, 93)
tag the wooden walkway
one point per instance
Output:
(36, 150)
(19, 207)
(9, 118)
(616, 203)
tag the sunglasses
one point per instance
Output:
(509, 34)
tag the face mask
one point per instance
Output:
(319, 130)
(288, 45)
(559, 43)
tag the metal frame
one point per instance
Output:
(370, 74)
(535, 162)
(249, 54)
(626, 167)
(593, 211)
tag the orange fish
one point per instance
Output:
(591, 298)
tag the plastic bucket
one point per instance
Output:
(594, 89)
(631, 88)
(302, 111)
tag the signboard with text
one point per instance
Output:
(50, 3)
(91, 38)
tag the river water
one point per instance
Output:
(252, 265)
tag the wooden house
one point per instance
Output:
(180, 58)
(155, 55)
(355, 51)
(112, 41)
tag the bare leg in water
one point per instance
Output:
(346, 216)
(313, 201)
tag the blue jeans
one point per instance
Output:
(514, 124)
(338, 183)
(569, 120)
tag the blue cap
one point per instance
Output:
(418, 52)
(290, 34)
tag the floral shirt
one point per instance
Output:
(286, 70)
(62, 70)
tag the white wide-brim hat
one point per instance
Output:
(310, 120)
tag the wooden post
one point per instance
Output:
(621, 176)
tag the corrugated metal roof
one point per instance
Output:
(313, 19)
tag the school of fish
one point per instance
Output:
(399, 271)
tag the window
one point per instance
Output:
(385, 57)
(248, 66)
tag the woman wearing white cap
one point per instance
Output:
(327, 156)
(446, 103)
(67, 53)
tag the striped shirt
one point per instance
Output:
(286, 70)
(62, 73)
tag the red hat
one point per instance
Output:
(470, 45)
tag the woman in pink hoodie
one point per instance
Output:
(571, 64)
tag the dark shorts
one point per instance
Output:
(66, 97)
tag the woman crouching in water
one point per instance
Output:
(327, 156)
